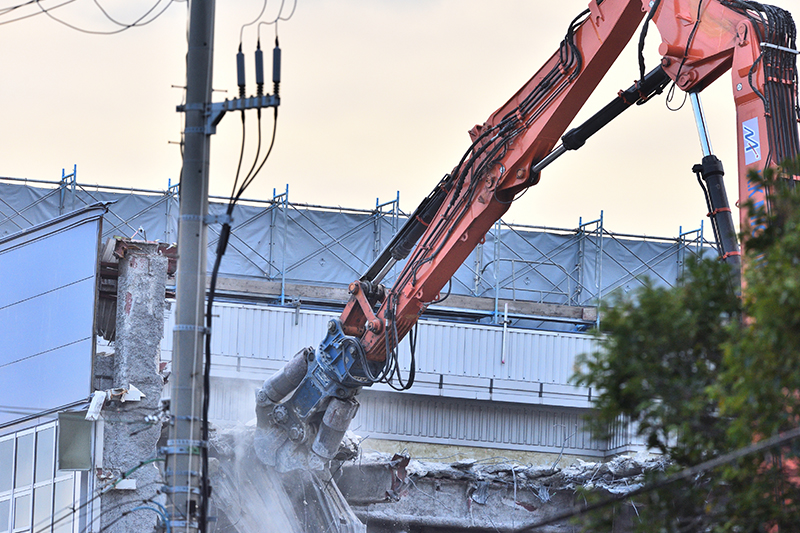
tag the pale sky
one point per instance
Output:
(377, 96)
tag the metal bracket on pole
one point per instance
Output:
(191, 327)
(183, 447)
(215, 111)
(166, 489)
(224, 218)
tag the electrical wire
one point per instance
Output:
(276, 19)
(260, 14)
(643, 36)
(222, 245)
(9, 9)
(123, 514)
(23, 17)
(714, 225)
(137, 23)
(258, 148)
(247, 182)
(98, 493)
(239, 164)
(776, 32)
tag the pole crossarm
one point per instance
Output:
(215, 111)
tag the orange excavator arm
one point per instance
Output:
(498, 165)
(701, 39)
(757, 44)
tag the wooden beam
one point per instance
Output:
(340, 295)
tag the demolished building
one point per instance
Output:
(493, 364)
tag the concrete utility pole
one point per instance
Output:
(183, 453)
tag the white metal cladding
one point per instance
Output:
(455, 361)
(243, 335)
(417, 418)
(232, 400)
(463, 394)
(471, 350)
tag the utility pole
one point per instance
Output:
(184, 448)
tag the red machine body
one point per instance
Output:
(701, 40)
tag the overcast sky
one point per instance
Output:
(377, 96)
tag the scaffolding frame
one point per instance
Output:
(572, 267)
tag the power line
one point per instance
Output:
(43, 525)
(118, 23)
(279, 17)
(23, 17)
(137, 23)
(140, 21)
(260, 14)
(19, 360)
(12, 8)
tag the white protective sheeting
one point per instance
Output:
(281, 241)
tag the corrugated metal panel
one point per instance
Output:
(474, 423)
(450, 349)
(458, 349)
(232, 401)
(463, 395)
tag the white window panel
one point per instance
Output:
(22, 512)
(42, 507)
(5, 515)
(24, 461)
(64, 501)
(6, 465)
(45, 454)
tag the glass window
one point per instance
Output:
(45, 454)
(42, 507)
(6, 461)
(62, 518)
(24, 473)
(5, 506)
(22, 511)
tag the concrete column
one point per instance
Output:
(128, 438)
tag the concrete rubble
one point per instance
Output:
(400, 494)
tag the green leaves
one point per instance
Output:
(701, 373)
(660, 357)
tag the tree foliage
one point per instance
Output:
(700, 372)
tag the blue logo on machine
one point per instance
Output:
(752, 141)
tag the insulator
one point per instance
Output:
(259, 70)
(240, 71)
(276, 68)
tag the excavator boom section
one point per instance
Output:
(305, 408)
(701, 40)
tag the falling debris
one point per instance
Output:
(251, 498)
(397, 493)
